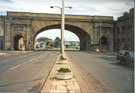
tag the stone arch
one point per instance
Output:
(84, 37)
(18, 42)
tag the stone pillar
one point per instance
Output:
(8, 35)
(111, 40)
(30, 38)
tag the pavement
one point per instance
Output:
(8, 53)
(102, 53)
(54, 85)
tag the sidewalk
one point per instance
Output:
(103, 53)
(54, 85)
(3, 54)
(7, 53)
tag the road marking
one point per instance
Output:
(51, 54)
(15, 67)
(31, 59)
(109, 56)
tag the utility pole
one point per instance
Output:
(62, 24)
(5, 29)
(100, 34)
(62, 28)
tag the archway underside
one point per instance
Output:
(82, 35)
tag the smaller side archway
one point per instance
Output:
(18, 42)
(103, 40)
(104, 44)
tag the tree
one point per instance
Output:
(44, 39)
(57, 42)
(125, 13)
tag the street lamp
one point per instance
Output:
(62, 24)
(100, 44)
(100, 33)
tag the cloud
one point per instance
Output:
(5, 0)
(80, 7)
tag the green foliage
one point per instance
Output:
(57, 42)
(62, 58)
(44, 39)
(72, 46)
(125, 13)
(64, 70)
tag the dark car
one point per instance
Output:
(126, 57)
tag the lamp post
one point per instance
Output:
(5, 32)
(100, 44)
(62, 24)
(100, 34)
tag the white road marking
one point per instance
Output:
(31, 59)
(52, 54)
(24, 63)
(109, 56)
(15, 67)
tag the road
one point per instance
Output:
(102, 73)
(23, 72)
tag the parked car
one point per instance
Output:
(126, 57)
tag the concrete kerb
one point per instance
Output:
(82, 84)
(48, 84)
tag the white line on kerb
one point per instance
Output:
(14, 67)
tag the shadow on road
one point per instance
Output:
(35, 89)
(113, 61)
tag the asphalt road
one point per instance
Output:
(22, 72)
(102, 73)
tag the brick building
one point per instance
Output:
(124, 32)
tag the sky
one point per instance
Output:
(68, 36)
(113, 8)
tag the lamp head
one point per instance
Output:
(70, 7)
(51, 7)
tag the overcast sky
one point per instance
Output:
(113, 8)
(82, 7)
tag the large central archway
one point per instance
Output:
(84, 37)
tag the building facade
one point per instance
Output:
(124, 32)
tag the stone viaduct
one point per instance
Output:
(29, 25)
